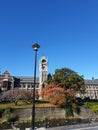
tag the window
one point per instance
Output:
(36, 86)
(28, 86)
(23, 86)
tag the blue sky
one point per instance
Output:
(67, 31)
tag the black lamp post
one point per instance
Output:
(35, 46)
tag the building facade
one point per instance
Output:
(7, 81)
(91, 91)
(25, 82)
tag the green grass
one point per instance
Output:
(93, 105)
(24, 104)
(20, 104)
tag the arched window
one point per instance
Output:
(28, 85)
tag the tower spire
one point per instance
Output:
(43, 69)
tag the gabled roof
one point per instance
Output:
(93, 81)
(6, 75)
(27, 79)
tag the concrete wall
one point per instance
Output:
(51, 113)
(40, 113)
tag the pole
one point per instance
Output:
(33, 105)
(35, 47)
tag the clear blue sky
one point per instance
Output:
(67, 31)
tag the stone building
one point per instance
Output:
(7, 81)
(91, 89)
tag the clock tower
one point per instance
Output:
(43, 68)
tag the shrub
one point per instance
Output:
(1, 111)
(87, 104)
(11, 118)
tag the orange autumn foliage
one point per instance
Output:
(57, 95)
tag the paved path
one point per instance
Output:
(87, 126)
(74, 128)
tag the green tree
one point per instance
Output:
(68, 79)
(49, 78)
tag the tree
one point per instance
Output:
(68, 79)
(71, 102)
(49, 78)
(12, 95)
(62, 97)
(27, 94)
(57, 95)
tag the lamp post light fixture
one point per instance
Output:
(35, 46)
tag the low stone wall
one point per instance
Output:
(50, 113)
(41, 112)
(86, 113)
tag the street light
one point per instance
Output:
(35, 46)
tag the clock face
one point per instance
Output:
(43, 64)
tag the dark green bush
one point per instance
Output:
(11, 118)
(1, 111)
(42, 101)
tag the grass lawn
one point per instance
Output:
(93, 105)
(23, 104)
